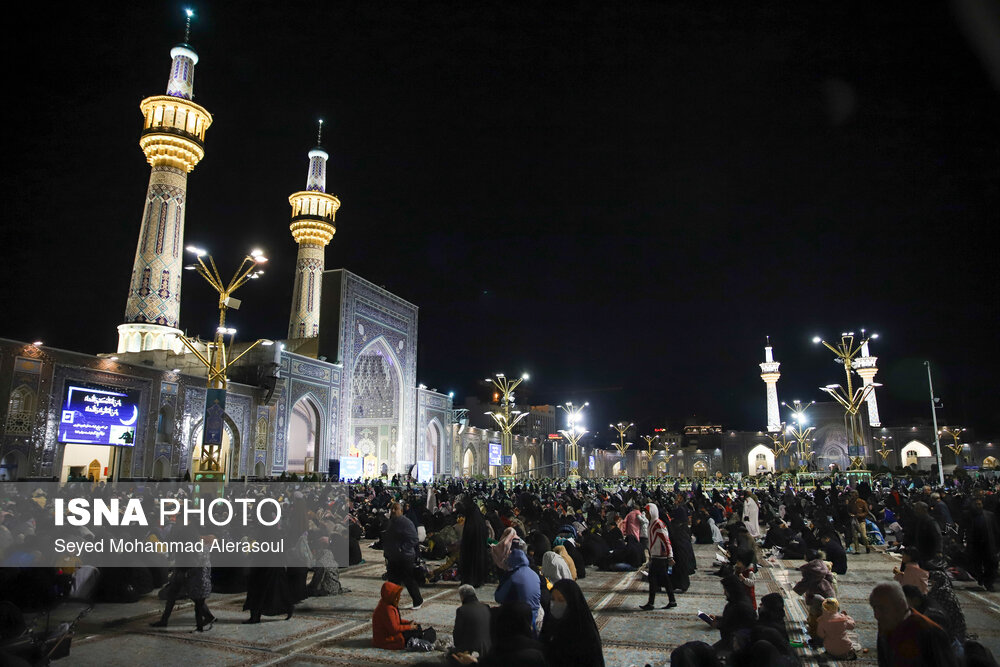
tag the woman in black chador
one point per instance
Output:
(269, 590)
(684, 563)
(473, 559)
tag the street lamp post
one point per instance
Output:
(506, 418)
(955, 446)
(218, 361)
(779, 443)
(850, 399)
(649, 451)
(937, 436)
(574, 432)
(883, 449)
(800, 432)
(622, 446)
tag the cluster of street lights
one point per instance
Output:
(573, 433)
(218, 361)
(801, 432)
(849, 397)
(622, 446)
(955, 446)
(506, 417)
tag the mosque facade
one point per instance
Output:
(342, 385)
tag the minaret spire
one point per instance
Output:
(769, 374)
(187, 25)
(866, 368)
(173, 140)
(313, 213)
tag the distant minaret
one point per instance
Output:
(865, 367)
(313, 213)
(173, 136)
(769, 374)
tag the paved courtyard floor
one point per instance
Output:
(337, 630)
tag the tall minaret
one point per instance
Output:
(173, 136)
(865, 367)
(313, 213)
(769, 374)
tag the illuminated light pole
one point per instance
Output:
(937, 435)
(173, 141)
(622, 446)
(649, 451)
(506, 418)
(667, 455)
(574, 433)
(769, 374)
(218, 362)
(779, 443)
(850, 399)
(883, 450)
(955, 446)
(801, 435)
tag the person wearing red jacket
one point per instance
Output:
(388, 629)
(661, 559)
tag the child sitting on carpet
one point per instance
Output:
(834, 628)
(389, 630)
(816, 585)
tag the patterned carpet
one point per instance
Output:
(337, 630)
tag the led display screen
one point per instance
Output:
(99, 415)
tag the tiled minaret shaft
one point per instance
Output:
(172, 139)
(312, 227)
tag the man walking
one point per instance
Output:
(399, 544)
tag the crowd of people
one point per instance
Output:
(535, 541)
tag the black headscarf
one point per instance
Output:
(572, 640)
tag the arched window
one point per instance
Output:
(165, 424)
(260, 436)
(20, 411)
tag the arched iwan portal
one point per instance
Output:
(303, 437)
(469, 463)
(760, 460)
(913, 450)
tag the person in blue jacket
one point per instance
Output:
(521, 583)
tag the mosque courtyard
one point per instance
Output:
(337, 630)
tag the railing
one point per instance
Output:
(167, 129)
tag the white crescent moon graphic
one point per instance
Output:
(135, 415)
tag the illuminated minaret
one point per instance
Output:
(769, 374)
(313, 213)
(865, 367)
(173, 135)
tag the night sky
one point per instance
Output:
(621, 198)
